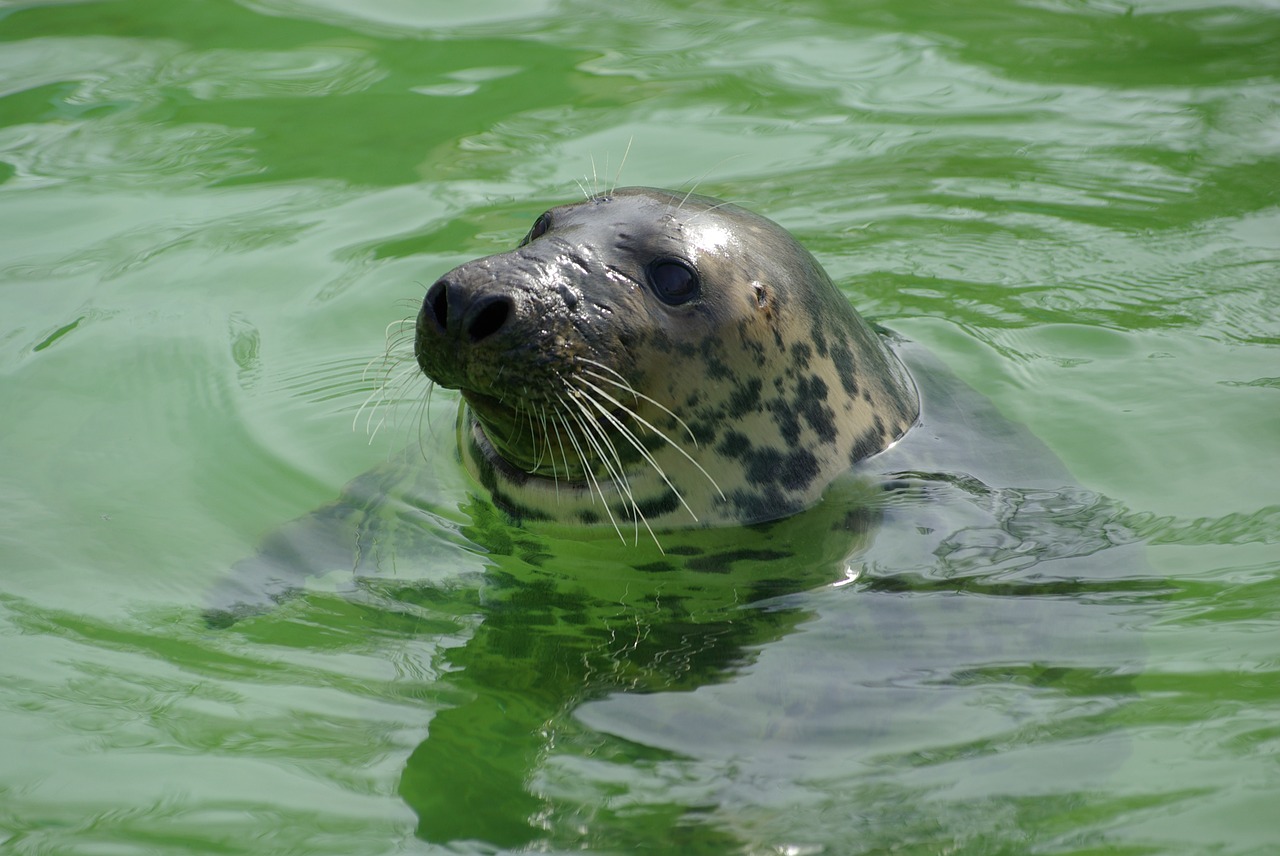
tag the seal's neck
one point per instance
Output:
(665, 489)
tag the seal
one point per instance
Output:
(661, 360)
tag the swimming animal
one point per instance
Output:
(658, 359)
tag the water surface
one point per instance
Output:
(211, 211)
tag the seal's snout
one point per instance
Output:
(467, 328)
(464, 316)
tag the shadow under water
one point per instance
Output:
(983, 559)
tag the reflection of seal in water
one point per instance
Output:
(659, 358)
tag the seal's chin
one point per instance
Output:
(538, 440)
(489, 410)
(520, 439)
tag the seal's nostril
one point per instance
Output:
(437, 301)
(488, 318)
(459, 311)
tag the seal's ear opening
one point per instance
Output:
(674, 281)
(762, 295)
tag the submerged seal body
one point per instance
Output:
(659, 359)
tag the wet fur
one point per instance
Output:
(597, 403)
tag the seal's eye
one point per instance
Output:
(674, 281)
(540, 227)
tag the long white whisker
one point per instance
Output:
(402, 323)
(595, 436)
(513, 433)
(392, 344)
(399, 372)
(425, 409)
(573, 441)
(369, 427)
(580, 395)
(379, 398)
(623, 478)
(630, 390)
(550, 452)
(707, 210)
(382, 360)
(609, 369)
(639, 446)
(566, 431)
(622, 383)
(591, 479)
(621, 164)
(672, 443)
(535, 436)
(697, 181)
(378, 394)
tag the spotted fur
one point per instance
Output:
(589, 398)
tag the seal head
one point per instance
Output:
(662, 359)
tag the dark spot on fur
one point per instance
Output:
(811, 397)
(715, 367)
(801, 354)
(793, 471)
(750, 344)
(799, 470)
(784, 415)
(745, 398)
(764, 465)
(684, 349)
(842, 357)
(517, 511)
(865, 446)
(665, 503)
(485, 473)
(813, 388)
(734, 445)
(763, 504)
(819, 338)
(704, 431)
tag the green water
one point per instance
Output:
(211, 211)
